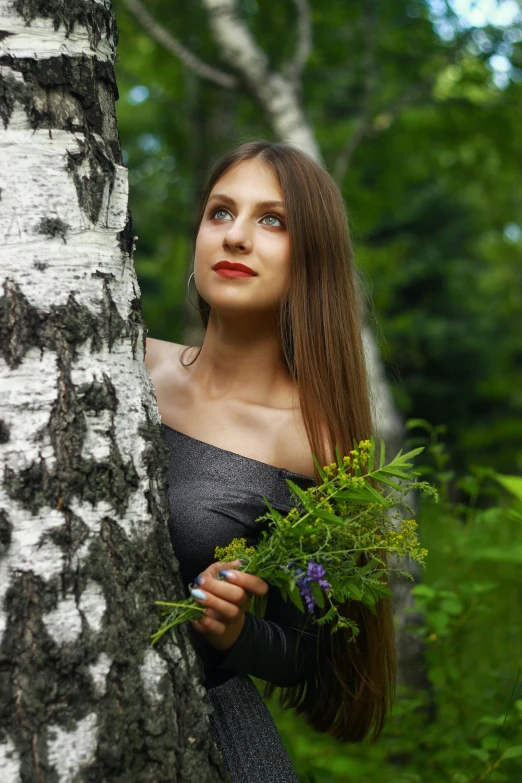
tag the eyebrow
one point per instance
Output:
(230, 200)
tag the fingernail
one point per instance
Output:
(199, 580)
(198, 594)
(228, 574)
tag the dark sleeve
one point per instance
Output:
(281, 648)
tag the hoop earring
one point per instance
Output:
(188, 295)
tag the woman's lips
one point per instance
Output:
(233, 273)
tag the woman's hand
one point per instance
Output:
(226, 602)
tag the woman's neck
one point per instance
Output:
(242, 359)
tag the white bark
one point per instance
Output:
(81, 516)
(41, 40)
(276, 93)
(69, 751)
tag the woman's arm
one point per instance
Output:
(281, 648)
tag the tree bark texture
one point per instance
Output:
(84, 547)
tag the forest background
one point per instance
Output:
(416, 108)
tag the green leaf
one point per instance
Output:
(377, 475)
(371, 458)
(295, 597)
(383, 454)
(368, 600)
(319, 469)
(301, 494)
(391, 471)
(380, 590)
(353, 496)
(452, 606)
(413, 423)
(354, 591)
(513, 484)
(339, 458)
(500, 554)
(318, 594)
(273, 511)
(378, 498)
(412, 453)
(424, 590)
(327, 516)
(513, 752)
(479, 753)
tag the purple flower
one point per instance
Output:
(315, 573)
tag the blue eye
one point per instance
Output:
(273, 217)
(220, 214)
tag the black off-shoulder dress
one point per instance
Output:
(215, 495)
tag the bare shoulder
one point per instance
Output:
(157, 352)
(163, 360)
(294, 446)
(296, 449)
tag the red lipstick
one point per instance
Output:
(229, 269)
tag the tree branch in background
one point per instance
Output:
(188, 58)
(363, 120)
(275, 92)
(294, 68)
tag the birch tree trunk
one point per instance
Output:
(84, 548)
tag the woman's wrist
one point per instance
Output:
(225, 641)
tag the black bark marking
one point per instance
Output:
(90, 186)
(116, 326)
(74, 324)
(23, 326)
(103, 275)
(10, 92)
(98, 20)
(6, 531)
(56, 91)
(135, 323)
(156, 460)
(4, 34)
(48, 682)
(53, 227)
(126, 238)
(72, 475)
(62, 330)
(95, 397)
(72, 94)
(4, 432)
(40, 265)
(69, 537)
(20, 325)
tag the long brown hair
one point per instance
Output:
(353, 687)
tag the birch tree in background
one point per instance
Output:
(84, 548)
(279, 93)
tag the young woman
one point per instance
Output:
(280, 376)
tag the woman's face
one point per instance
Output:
(244, 222)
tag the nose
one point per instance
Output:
(237, 239)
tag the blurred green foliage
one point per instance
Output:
(467, 727)
(432, 187)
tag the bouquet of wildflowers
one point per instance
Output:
(334, 545)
